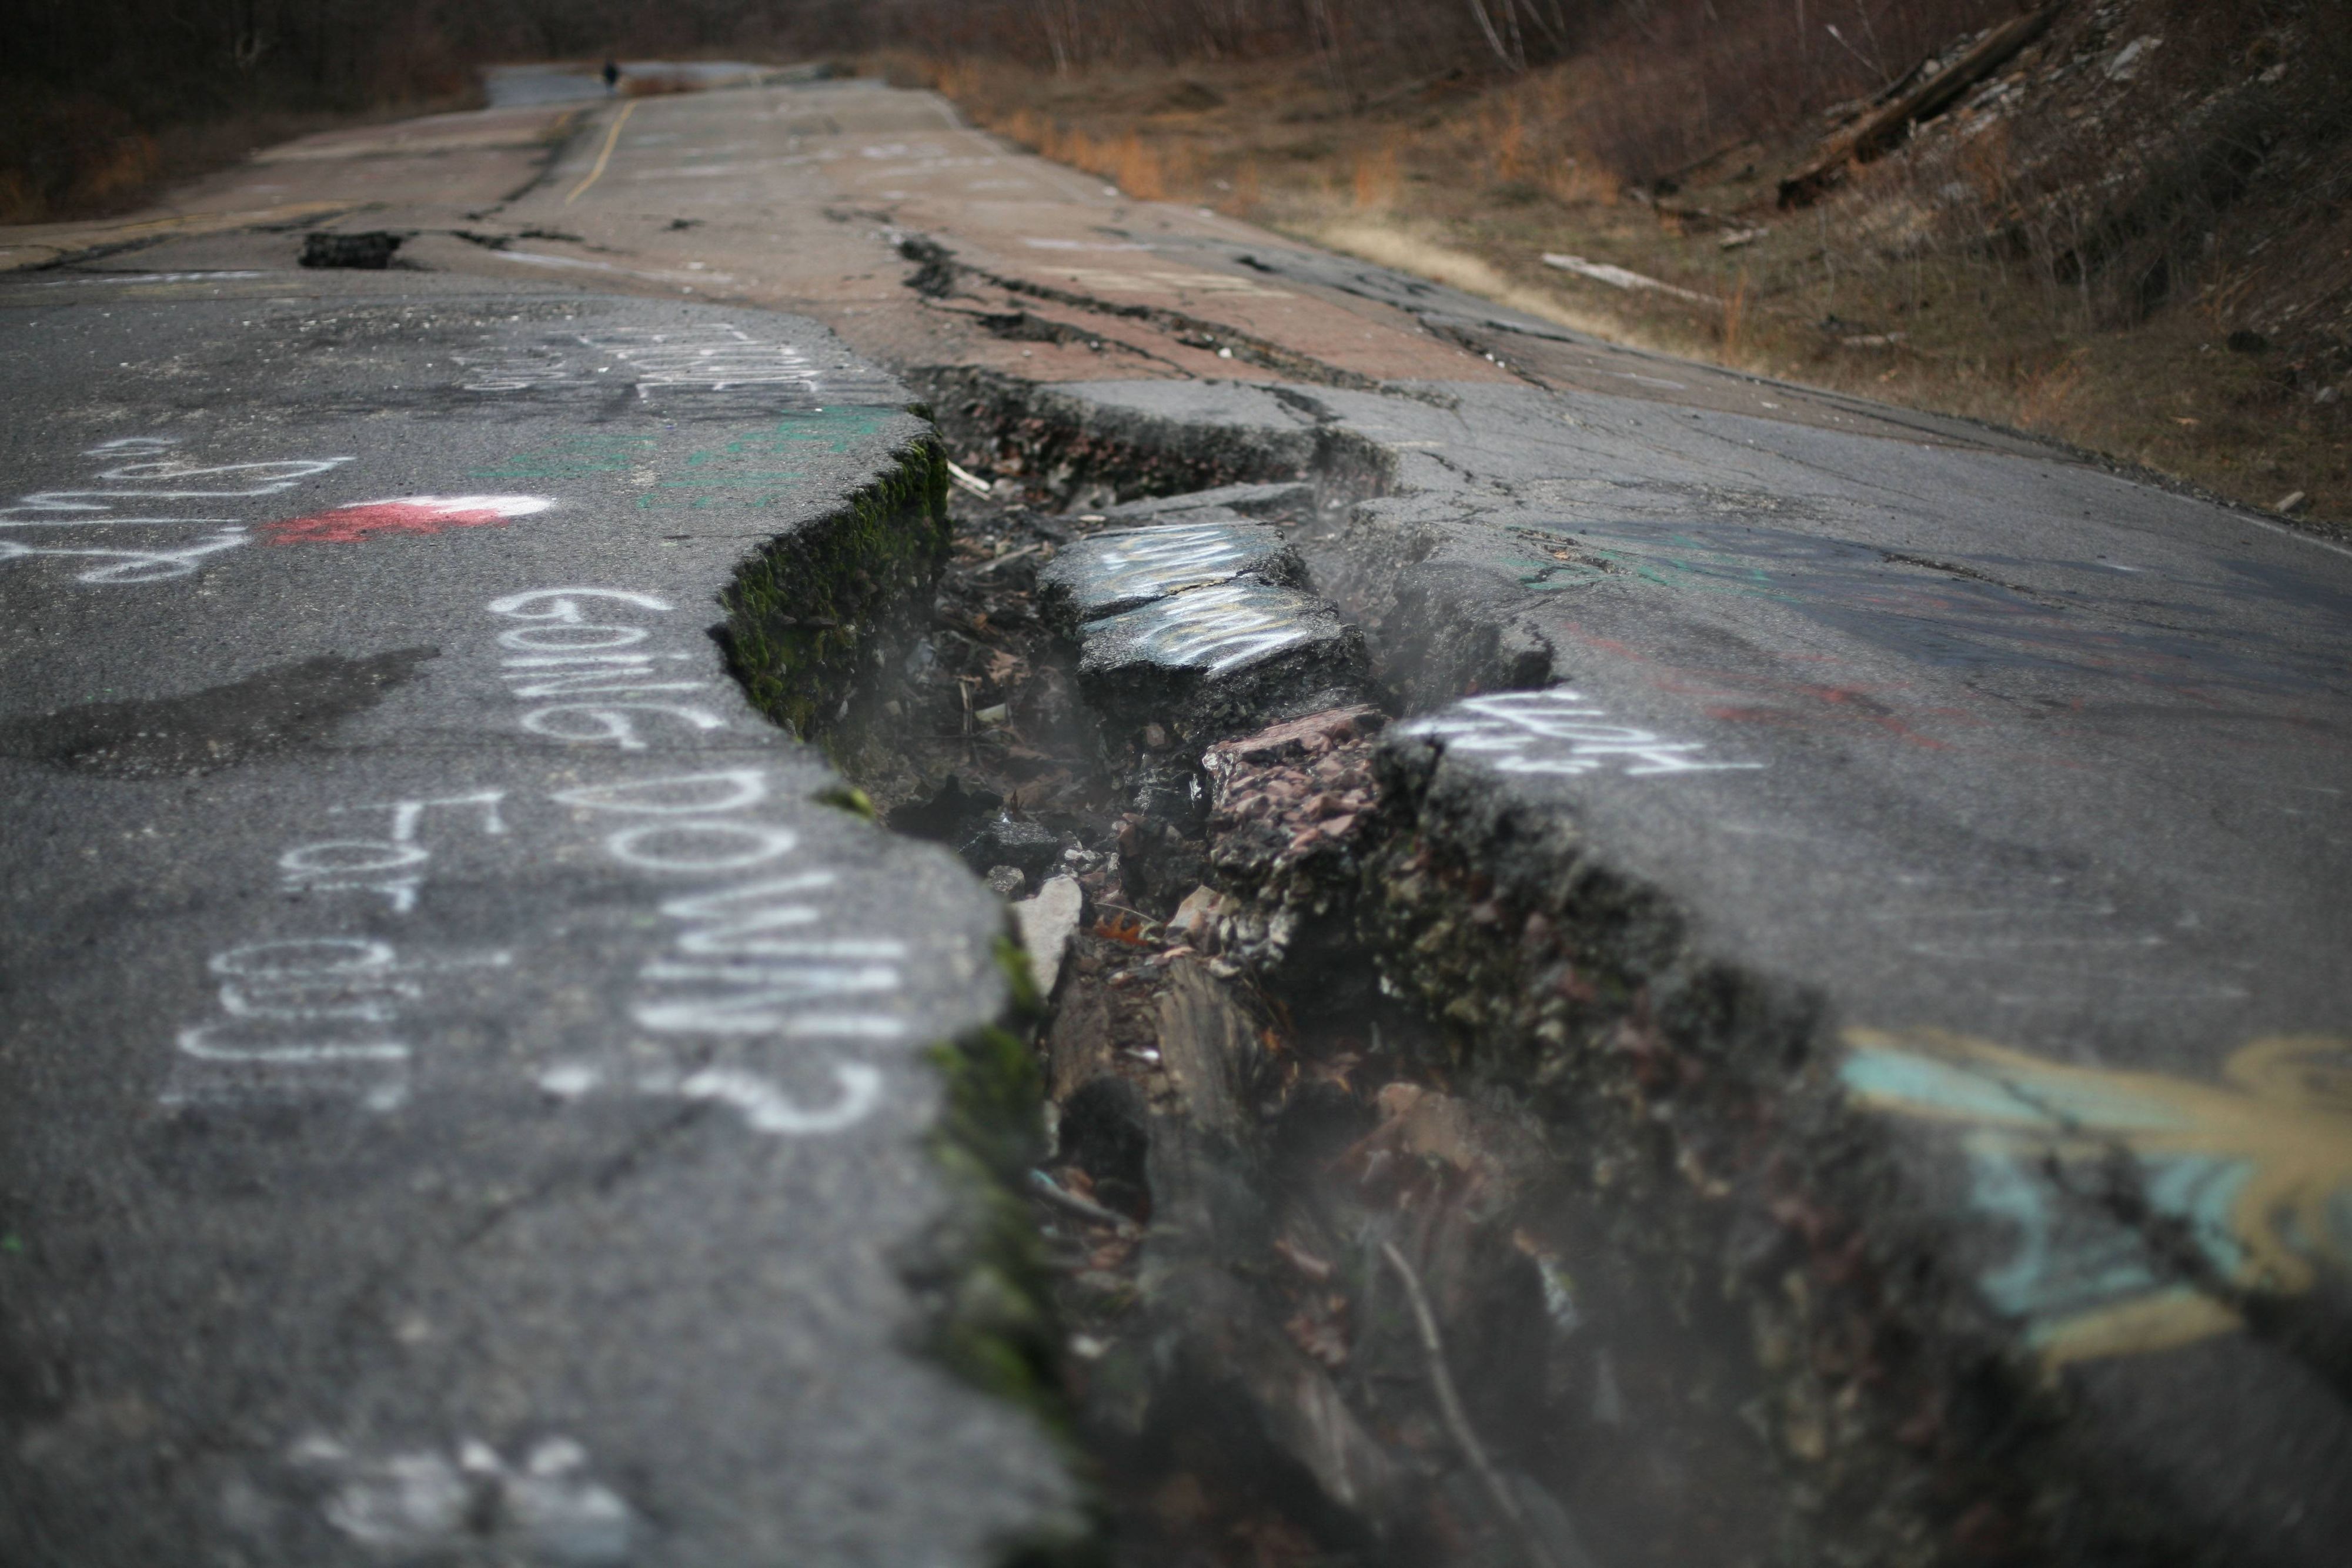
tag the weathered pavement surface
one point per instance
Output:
(1927, 853)
(468, 1095)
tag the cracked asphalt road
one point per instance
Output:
(2016, 787)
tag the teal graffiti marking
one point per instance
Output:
(2253, 1172)
(742, 473)
(1682, 562)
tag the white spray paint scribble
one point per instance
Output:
(423, 1501)
(1150, 563)
(354, 865)
(321, 1014)
(767, 1110)
(149, 496)
(1215, 629)
(311, 1014)
(558, 652)
(1559, 732)
(710, 357)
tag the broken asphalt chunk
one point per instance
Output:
(1218, 659)
(1033, 847)
(371, 251)
(1114, 572)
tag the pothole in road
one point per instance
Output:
(1328, 1290)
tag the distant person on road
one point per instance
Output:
(612, 76)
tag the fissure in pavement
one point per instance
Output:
(1265, 1150)
(1352, 1024)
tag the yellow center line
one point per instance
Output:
(605, 157)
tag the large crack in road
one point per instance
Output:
(1644, 965)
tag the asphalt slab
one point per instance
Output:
(470, 1094)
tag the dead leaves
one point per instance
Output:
(1126, 927)
(1419, 1125)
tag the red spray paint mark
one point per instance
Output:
(365, 520)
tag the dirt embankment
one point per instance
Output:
(2126, 229)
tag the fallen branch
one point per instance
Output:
(1876, 132)
(1620, 277)
(1457, 1420)
(1494, 40)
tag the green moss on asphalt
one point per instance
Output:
(803, 613)
(1013, 959)
(996, 1327)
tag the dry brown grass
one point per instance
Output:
(1730, 329)
(1377, 181)
(1136, 166)
(78, 154)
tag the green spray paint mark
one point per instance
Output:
(742, 473)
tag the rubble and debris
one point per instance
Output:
(1254, 1148)
(1030, 847)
